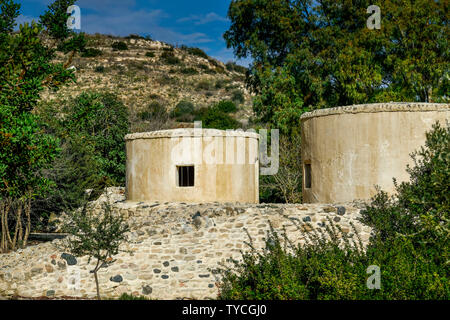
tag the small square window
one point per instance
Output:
(307, 177)
(186, 176)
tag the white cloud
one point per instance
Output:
(203, 19)
(139, 22)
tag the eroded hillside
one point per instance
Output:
(149, 71)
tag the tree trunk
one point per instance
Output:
(28, 226)
(18, 225)
(96, 279)
(2, 214)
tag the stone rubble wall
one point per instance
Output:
(173, 249)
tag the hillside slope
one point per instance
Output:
(149, 71)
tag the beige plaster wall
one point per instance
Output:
(352, 149)
(226, 166)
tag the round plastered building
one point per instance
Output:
(193, 165)
(347, 151)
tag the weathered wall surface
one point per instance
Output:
(352, 149)
(226, 165)
(173, 247)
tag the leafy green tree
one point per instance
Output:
(27, 67)
(97, 235)
(91, 135)
(313, 54)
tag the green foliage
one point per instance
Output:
(96, 235)
(189, 71)
(226, 106)
(215, 118)
(91, 52)
(126, 296)
(103, 119)
(410, 245)
(183, 111)
(420, 210)
(315, 54)
(153, 110)
(119, 45)
(93, 150)
(99, 69)
(169, 58)
(149, 54)
(194, 51)
(205, 84)
(237, 96)
(232, 66)
(27, 68)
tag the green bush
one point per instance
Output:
(183, 111)
(126, 296)
(99, 69)
(203, 66)
(149, 54)
(226, 106)
(119, 45)
(91, 52)
(189, 71)
(237, 96)
(205, 84)
(93, 150)
(153, 110)
(216, 119)
(194, 51)
(410, 245)
(169, 58)
(232, 66)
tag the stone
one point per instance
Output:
(50, 293)
(174, 269)
(70, 259)
(156, 270)
(329, 209)
(130, 276)
(336, 219)
(198, 222)
(62, 265)
(210, 285)
(147, 290)
(49, 268)
(165, 276)
(118, 278)
(36, 271)
(204, 275)
(340, 210)
(306, 219)
(165, 263)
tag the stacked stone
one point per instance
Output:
(173, 248)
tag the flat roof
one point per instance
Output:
(191, 132)
(379, 107)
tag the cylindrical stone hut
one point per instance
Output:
(193, 165)
(347, 151)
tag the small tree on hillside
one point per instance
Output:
(97, 235)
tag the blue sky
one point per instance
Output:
(197, 23)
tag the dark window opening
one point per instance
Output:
(185, 176)
(307, 175)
